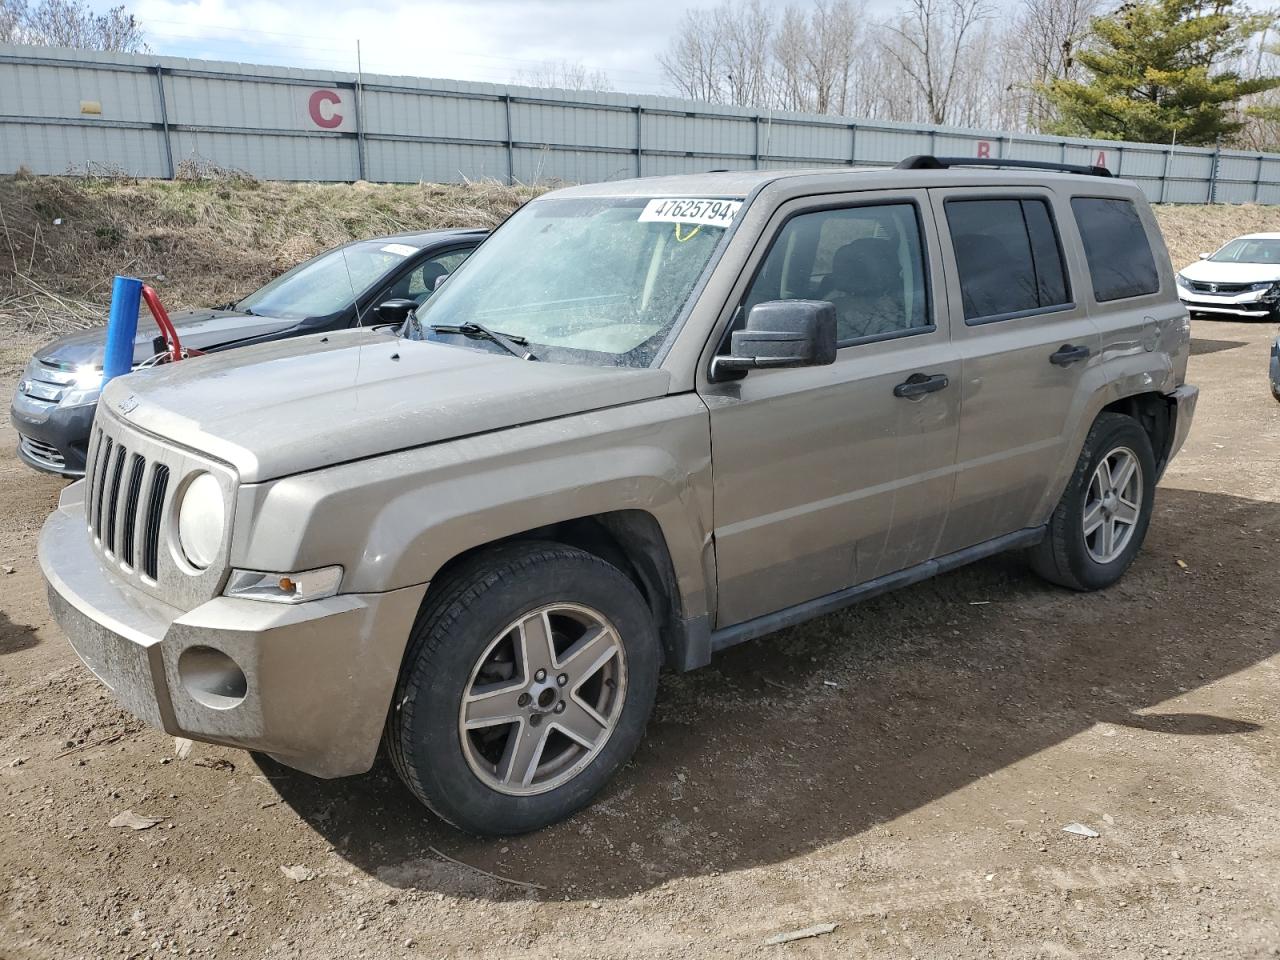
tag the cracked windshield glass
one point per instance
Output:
(584, 280)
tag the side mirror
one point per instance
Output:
(394, 311)
(1204, 256)
(784, 333)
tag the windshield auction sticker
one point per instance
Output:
(707, 213)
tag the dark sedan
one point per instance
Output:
(55, 400)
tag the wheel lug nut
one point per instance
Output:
(540, 675)
(535, 719)
(562, 679)
(523, 700)
(560, 707)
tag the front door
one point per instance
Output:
(830, 476)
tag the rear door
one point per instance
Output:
(824, 477)
(1026, 345)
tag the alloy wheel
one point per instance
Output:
(1112, 505)
(543, 699)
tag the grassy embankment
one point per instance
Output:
(201, 242)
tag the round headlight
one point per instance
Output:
(202, 517)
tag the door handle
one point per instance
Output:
(918, 384)
(1068, 354)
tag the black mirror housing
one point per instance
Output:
(395, 311)
(784, 333)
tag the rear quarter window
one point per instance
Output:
(1116, 247)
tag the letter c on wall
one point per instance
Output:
(327, 119)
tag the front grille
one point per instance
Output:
(132, 479)
(46, 381)
(1226, 289)
(44, 453)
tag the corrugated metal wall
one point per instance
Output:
(64, 111)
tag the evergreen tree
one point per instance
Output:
(1159, 67)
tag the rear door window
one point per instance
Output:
(1008, 258)
(1116, 247)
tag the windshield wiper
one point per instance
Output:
(509, 342)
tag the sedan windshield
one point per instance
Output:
(329, 283)
(1249, 251)
(594, 280)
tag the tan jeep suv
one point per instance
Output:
(645, 421)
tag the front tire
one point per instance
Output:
(1101, 521)
(529, 679)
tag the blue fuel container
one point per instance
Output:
(122, 327)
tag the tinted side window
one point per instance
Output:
(1116, 247)
(868, 261)
(1007, 256)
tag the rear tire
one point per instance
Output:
(1101, 521)
(529, 679)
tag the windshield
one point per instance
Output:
(1249, 251)
(324, 285)
(593, 280)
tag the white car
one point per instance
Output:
(1241, 279)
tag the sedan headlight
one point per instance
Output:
(285, 587)
(1183, 282)
(85, 388)
(202, 519)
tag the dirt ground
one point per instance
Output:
(902, 770)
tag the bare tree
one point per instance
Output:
(833, 29)
(743, 47)
(70, 23)
(929, 42)
(694, 60)
(562, 75)
(790, 53)
(1043, 37)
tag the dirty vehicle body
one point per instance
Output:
(54, 404)
(647, 420)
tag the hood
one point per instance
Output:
(1206, 271)
(201, 329)
(283, 407)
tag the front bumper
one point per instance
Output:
(317, 676)
(52, 438)
(1247, 304)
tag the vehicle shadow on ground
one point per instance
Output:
(818, 733)
(1200, 345)
(15, 637)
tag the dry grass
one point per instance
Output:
(1190, 229)
(213, 238)
(198, 242)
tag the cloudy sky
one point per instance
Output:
(461, 39)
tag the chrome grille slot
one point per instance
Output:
(151, 524)
(132, 493)
(112, 498)
(99, 482)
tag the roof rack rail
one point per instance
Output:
(926, 162)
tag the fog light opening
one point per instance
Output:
(212, 678)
